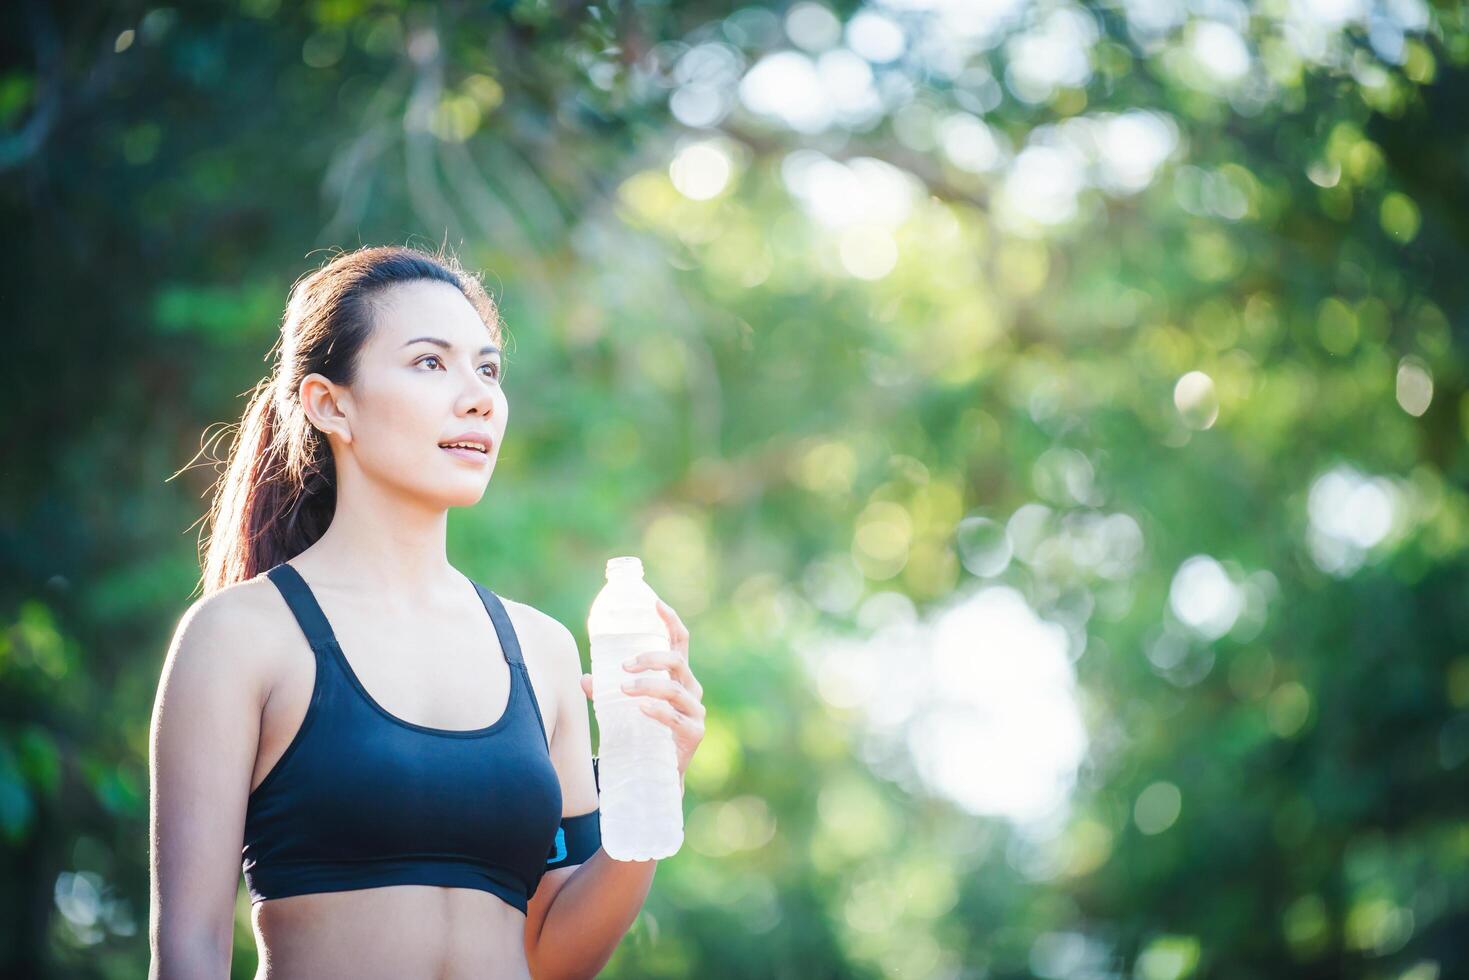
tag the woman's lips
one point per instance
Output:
(472, 455)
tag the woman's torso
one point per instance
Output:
(443, 669)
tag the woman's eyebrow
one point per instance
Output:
(492, 349)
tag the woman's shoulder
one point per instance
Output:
(246, 623)
(251, 604)
(237, 611)
(543, 636)
(230, 634)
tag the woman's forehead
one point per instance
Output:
(428, 308)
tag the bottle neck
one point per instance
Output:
(625, 568)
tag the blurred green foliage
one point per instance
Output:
(846, 319)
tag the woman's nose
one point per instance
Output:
(477, 394)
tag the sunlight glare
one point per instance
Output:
(983, 697)
(700, 171)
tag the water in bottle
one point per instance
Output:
(641, 802)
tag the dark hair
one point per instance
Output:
(278, 491)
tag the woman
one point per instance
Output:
(405, 758)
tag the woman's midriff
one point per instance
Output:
(398, 931)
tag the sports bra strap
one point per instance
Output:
(303, 604)
(508, 640)
(511, 645)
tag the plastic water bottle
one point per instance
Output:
(641, 802)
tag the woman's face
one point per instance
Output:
(429, 374)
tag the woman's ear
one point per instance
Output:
(325, 403)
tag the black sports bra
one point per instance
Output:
(362, 798)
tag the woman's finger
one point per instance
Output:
(667, 690)
(691, 728)
(678, 633)
(676, 665)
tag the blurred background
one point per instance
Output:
(1049, 417)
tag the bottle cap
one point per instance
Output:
(625, 564)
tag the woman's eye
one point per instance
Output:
(438, 361)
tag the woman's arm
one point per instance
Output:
(579, 914)
(589, 910)
(202, 744)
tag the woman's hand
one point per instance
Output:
(679, 704)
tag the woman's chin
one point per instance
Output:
(462, 497)
(465, 495)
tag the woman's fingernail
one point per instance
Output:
(631, 662)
